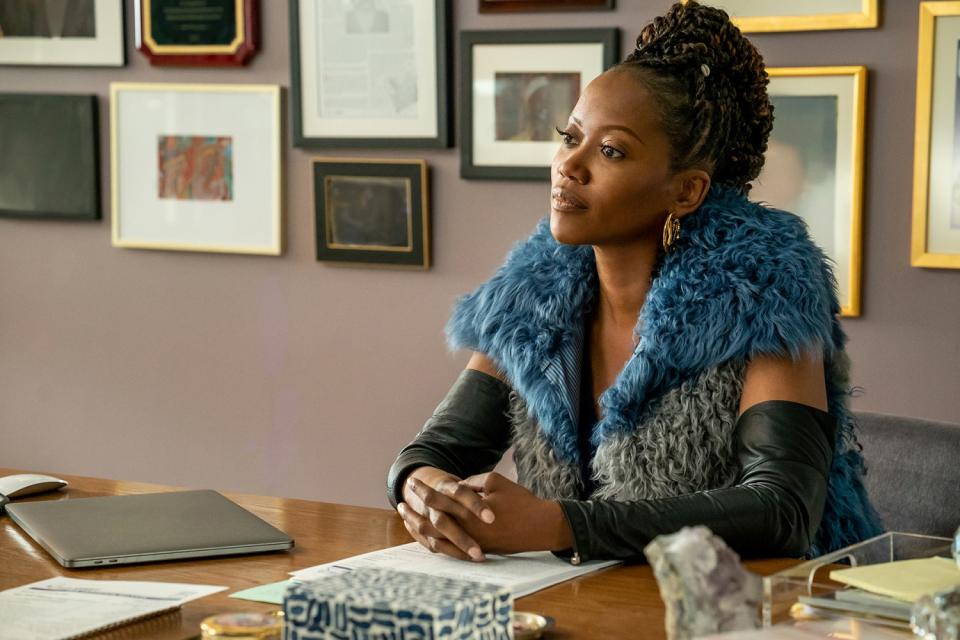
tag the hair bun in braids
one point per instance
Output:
(711, 86)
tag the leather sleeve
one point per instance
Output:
(774, 508)
(467, 434)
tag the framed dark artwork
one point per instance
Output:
(61, 32)
(516, 6)
(517, 88)
(50, 166)
(372, 212)
(370, 73)
(198, 32)
(196, 167)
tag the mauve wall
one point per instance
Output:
(286, 376)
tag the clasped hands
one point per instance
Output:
(486, 513)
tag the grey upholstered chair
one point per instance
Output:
(913, 472)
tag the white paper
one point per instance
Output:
(522, 573)
(59, 608)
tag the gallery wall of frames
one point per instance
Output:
(367, 141)
(377, 75)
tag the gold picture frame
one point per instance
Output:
(862, 14)
(814, 163)
(935, 237)
(196, 167)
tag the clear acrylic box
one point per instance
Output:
(812, 578)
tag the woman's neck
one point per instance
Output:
(624, 273)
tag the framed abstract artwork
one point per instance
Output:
(936, 165)
(62, 32)
(814, 163)
(50, 166)
(370, 73)
(198, 32)
(511, 6)
(196, 167)
(517, 87)
(808, 15)
(372, 212)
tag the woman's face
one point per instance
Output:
(612, 182)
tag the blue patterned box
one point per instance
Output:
(394, 605)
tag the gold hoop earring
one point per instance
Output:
(671, 231)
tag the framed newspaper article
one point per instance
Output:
(370, 73)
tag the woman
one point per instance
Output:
(663, 352)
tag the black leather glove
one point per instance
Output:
(785, 451)
(467, 434)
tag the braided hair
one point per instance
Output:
(711, 87)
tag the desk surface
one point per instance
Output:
(615, 602)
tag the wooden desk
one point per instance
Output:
(613, 603)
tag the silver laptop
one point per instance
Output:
(93, 532)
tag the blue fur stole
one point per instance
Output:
(743, 280)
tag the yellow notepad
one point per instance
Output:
(904, 580)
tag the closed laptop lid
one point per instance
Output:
(140, 528)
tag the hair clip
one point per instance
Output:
(705, 69)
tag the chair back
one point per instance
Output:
(913, 472)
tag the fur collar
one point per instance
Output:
(742, 280)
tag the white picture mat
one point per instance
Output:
(779, 8)
(249, 118)
(839, 247)
(490, 59)
(424, 125)
(941, 238)
(105, 49)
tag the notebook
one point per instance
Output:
(93, 532)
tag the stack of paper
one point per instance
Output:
(522, 573)
(61, 608)
(904, 580)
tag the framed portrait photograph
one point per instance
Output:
(370, 73)
(517, 87)
(372, 212)
(197, 32)
(50, 165)
(196, 167)
(814, 163)
(809, 15)
(516, 6)
(935, 238)
(61, 32)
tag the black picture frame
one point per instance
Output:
(372, 212)
(470, 167)
(21, 46)
(50, 165)
(443, 104)
(529, 6)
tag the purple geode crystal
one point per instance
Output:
(703, 585)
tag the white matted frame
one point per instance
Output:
(803, 15)
(538, 59)
(104, 48)
(936, 166)
(149, 213)
(814, 163)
